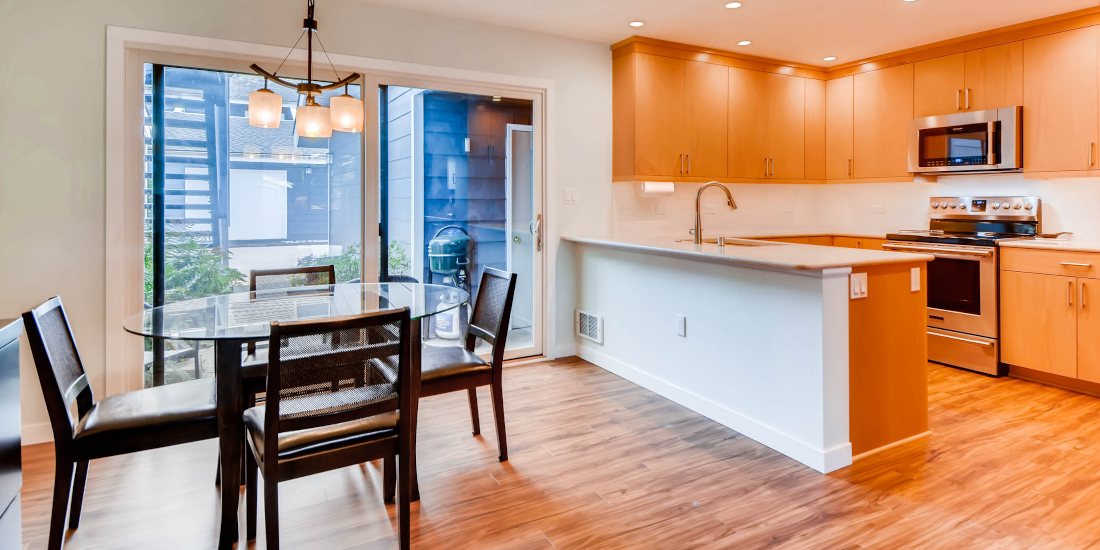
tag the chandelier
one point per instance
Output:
(344, 113)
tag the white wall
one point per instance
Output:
(52, 130)
(1069, 204)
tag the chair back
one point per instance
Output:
(492, 311)
(276, 279)
(338, 370)
(60, 370)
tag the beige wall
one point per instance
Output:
(52, 57)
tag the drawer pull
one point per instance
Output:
(967, 340)
(1071, 264)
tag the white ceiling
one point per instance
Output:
(795, 30)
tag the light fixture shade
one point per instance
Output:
(347, 113)
(314, 121)
(265, 109)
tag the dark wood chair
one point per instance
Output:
(339, 392)
(453, 368)
(285, 279)
(119, 424)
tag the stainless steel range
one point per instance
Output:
(963, 302)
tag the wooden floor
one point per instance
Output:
(597, 462)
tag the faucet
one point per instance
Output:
(698, 231)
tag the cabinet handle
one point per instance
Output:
(849, 168)
(1071, 264)
(1082, 295)
(689, 162)
(681, 163)
(958, 100)
(772, 173)
(1091, 145)
(1069, 292)
(968, 99)
(967, 340)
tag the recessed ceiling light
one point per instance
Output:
(831, 58)
(744, 43)
(732, 5)
(637, 23)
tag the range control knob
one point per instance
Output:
(1006, 206)
(996, 206)
(1018, 206)
(1028, 206)
(935, 205)
(953, 205)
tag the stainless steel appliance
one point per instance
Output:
(963, 302)
(979, 141)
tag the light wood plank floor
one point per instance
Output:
(597, 462)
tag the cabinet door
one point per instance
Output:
(748, 124)
(1060, 101)
(883, 108)
(1039, 322)
(1088, 330)
(847, 242)
(706, 93)
(872, 244)
(938, 86)
(787, 126)
(659, 115)
(838, 128)
(994, 77)
(815, 129)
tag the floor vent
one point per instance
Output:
(590, 326)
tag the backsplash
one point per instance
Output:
(1069, 204)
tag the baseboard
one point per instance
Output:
(567, 349)
(889, 446)
(822, 460)
(37, 433)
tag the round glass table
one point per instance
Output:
(232, 320)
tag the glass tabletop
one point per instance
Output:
(248, 315)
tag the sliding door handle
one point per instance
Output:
(538, 232)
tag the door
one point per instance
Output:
(883, 108)
(938, 86)
(659, 116)
(524, 239)
(994, 77)
(748, 124)
(1039, 322)
(839, 110)
(1088, 330)
(705, 118)
(1060, 101)
(787, 126)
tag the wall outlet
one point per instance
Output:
(710, 209)
(878, 209)
(570, 195)
(681, 326)
(914, 279)
(859, 285)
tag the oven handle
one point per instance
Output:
(938, 251)
(967, 340)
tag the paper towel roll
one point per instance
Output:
(656, 188)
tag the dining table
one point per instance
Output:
(234, 320)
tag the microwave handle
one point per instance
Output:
(994, 137)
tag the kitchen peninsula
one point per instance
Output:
(817, 352)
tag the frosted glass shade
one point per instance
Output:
(347, 113)
(265, 109)
(314, 121)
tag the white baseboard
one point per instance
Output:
(566, 349)
(37, 433)
(822, 460)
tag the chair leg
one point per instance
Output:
(497, 389)
(62, 486)
(405, 493)
(472, 392)
(271, 512)
(250, 480)
(77, 496)
(218, 473)
(389, 478)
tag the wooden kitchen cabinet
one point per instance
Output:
(847, 242)
(767, 118)
(787, 126)
(839, 112)
(815, 129)
(659, 121)
(1039, 322)
(706, 89)
(883, 108)
(1088, 330)
(938, 86)
(1061, 125)
(994, 77)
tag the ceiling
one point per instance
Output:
(794, 30)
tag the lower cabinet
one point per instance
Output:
(1088, 330)
(847, 242)
(1039, 322)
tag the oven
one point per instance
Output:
(978, 141)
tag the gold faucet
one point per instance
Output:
(698, 231)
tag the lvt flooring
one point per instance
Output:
(598, 462)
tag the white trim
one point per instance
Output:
(122, 42)
(822, 460)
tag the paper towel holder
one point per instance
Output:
(656, 188)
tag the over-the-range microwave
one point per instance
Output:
(975, 142)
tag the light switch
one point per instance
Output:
(859, 285)
(570, 195)
(467, 145)
(914, 279)
(681, 325)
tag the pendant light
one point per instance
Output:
(312, 119)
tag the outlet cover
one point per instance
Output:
(878, 209)
(681, 325)
(914, 279)
(660, 209)
(859, 285)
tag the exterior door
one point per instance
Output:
(525, 244)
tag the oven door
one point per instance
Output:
(962, 286)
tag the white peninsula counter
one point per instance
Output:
(774, 345)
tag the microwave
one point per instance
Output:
(975, 142)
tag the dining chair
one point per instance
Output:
(446, 369)
(339, 392)
(130, 422)
(284, 279)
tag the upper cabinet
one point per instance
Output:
(938, 86)
(705, 92)
(767, 125)
(659, 121)
(839, 130)
(883, 106)
(815, 129)
(1061, 126)
(994, 77)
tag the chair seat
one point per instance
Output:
(332, 436)
(441, 363)
(139, 418)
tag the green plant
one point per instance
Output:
(398, 259)
(191, 269)
(347, 264)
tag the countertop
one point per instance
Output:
(799, 257)
(1069, 245)
(791, 234)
